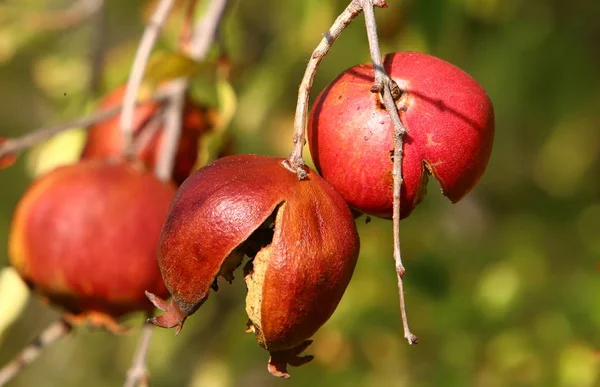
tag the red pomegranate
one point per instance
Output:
(85, 237)
(449, 120)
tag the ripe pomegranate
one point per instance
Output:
(85, 237)
(106, 139)
(450, 130)
(300, 238)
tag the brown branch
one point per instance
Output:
(207, 29)
(73, 15)
(13, 146)
(137, 375)
(186, 29)
(52, 333)
(295, 161)
(139, 66)
(205, 32)
(98, 47)
(173, 120)
(146, 134)
(384, 85)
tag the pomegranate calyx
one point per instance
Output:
(279, 360)
(173, 316)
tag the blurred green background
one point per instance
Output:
(503, 288)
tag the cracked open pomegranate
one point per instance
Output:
(85, 236)
(299, 238)
(449, 120)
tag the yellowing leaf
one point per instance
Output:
(213, 143)
(212, 373)
(64, 148)
(227, 100)
(13, 297)
(166, 65)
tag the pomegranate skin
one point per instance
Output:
(449, 120)
(105, 138)
(297, 275)
(85, 237)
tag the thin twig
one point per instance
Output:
(207, 29)
(52, 333)
(205, 32)
(73, 15)
(98, 50)
(185, 37)
(295, 161)
(139, 66)
(203, 36)
(382, 85)
(173, 120)
(147, 133)
(137, 375)
(13, 146)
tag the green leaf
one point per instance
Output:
(213, 143)
(166, 65)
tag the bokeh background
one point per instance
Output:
(503, 288)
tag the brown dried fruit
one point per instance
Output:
(300, 237)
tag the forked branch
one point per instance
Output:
(386, 87)
(295, 162)
(388, 90)
(14, 146)
(204, 34)
(138, 67)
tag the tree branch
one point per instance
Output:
(295, 161)
(98, 47)
(204, 35)
(384, 85)
(139, 66)
(205, 32)
(147, 133)
(52, 333)
(207, 29)
(172, 132)
(138, 373)
(13, 146)
(174, 93)
(185, 36)
(75, 14)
